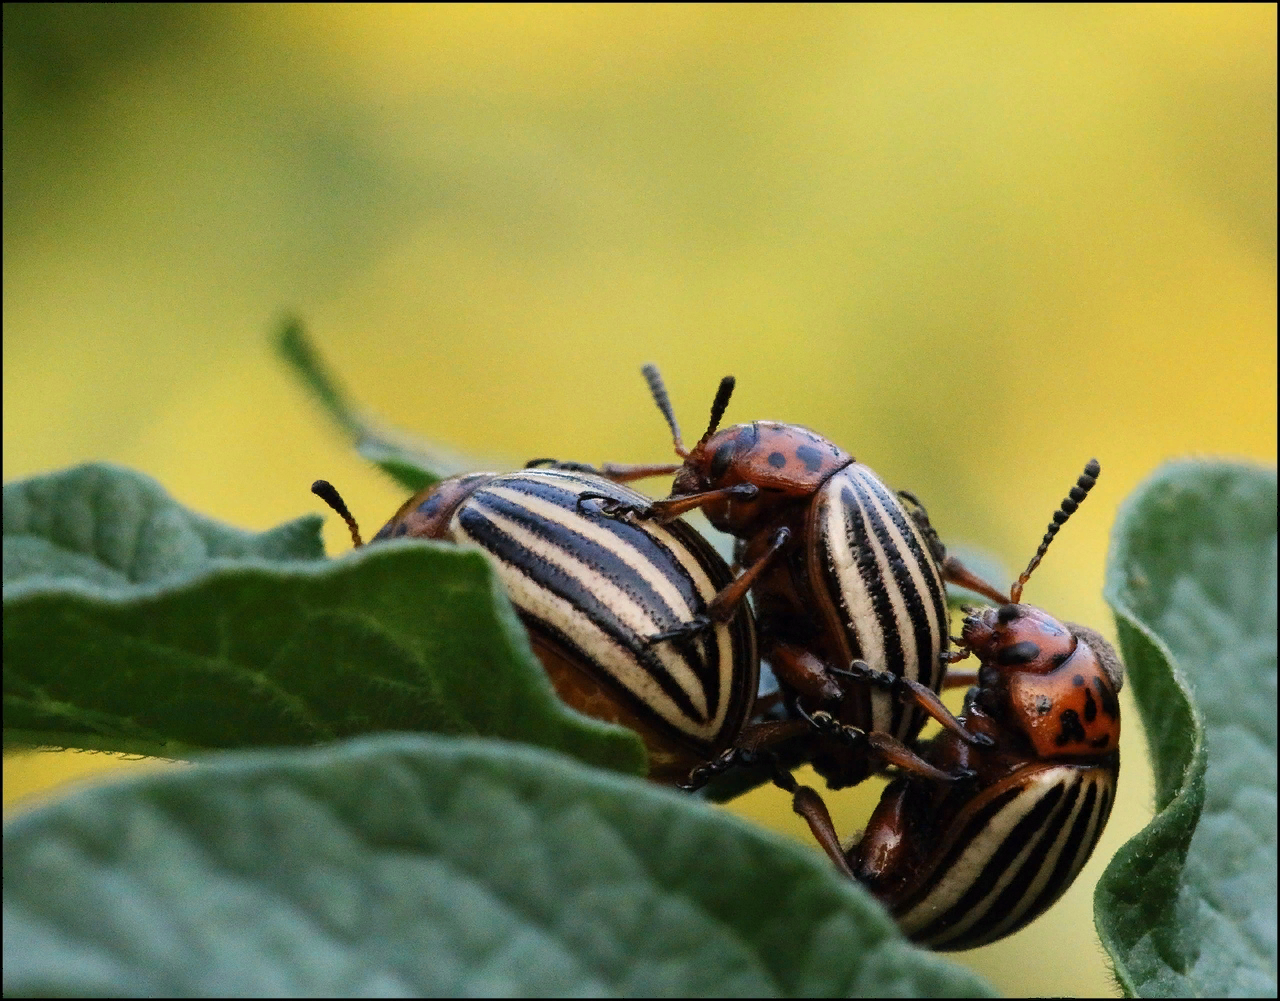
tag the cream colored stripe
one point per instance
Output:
(604, 651)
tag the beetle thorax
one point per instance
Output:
(785, 462)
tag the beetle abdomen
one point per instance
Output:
(1009, 855)
(872, 560)
(599, 587)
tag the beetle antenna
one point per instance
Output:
(329, 494)
(1068, 507)
(719, 405)
(659, 390)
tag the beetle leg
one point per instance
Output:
(625, 472)
(922, 696)
(705, 772)
(752, 745)
(809, 805)
(723, 604)
(960, 677)
(672, 507)
(618, 472)
(610, 507)
(892, 750)
(952, 569)
(686, 630)
(799, 671)
(721, 608)
(957, 573)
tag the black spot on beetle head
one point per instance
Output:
(1019, 653)
(1072, 731)
(1008, 613)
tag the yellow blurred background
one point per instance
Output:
(973, 245)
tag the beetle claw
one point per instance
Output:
(686, 630)
(608, 506)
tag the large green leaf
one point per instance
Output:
(1189, 910)
(413, 866)
(132, 624)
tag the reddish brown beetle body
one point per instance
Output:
(994, 818)
(785, 462)
(965, 864)
(592, 590)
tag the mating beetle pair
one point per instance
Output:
(637, 620)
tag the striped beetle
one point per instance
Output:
(593, 590)
(847, 578)
(963, 864)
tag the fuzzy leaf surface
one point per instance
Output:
(412, 866)
(1188, 907)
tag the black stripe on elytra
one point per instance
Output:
(1078, 846)
(917, 602)
(865, 518)
(865, 564)
(1037, 828)
(702, 659)
(1017, 900)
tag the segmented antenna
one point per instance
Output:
(719, 405)
(329, 494)
(1069, 504)
(659, 391)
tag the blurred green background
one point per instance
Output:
(973, 245)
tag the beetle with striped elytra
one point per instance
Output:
(961, 865)
(474, 508)
(847, 578)
(592, 590)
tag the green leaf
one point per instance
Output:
(411, 866)
(132, 624)
(105, 525)
(413, 463)
(1189, 910)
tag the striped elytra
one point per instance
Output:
(593, 591)
(880, 589)
(1007, 855)
(991, 820)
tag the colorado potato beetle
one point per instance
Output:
(961, 864)
(843, 572)
(593, 591)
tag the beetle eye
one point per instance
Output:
(721, 459)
